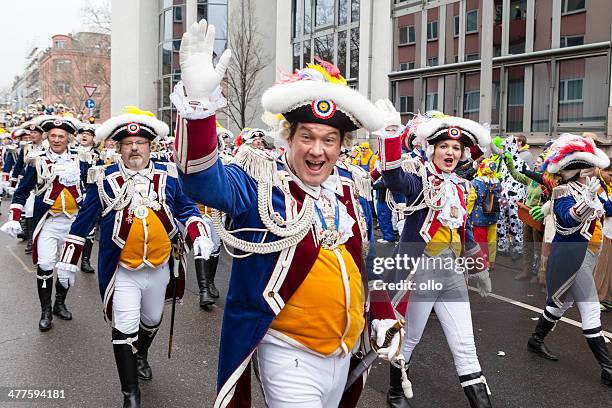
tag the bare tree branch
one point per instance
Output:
(244, 71)
(97, 16)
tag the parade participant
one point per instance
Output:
(436, 230)
(298, 232)
(10, 157)
(54, 176)
(88, 155)
(139, 203)
(34, 144)
(483, 206)
(572, 164)
(108, 154)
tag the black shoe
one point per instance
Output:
(23, 234)
(145, 338)
(44, 284)
(395, 395)
(600, 351)
(85, 265)
(126, 367)
(206, 298)
(478, 392)
(59, 308)
(536, 341)
(28, 235)
(210, 273)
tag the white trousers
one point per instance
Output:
(584, 294)
(51, 239)
(452, 308)
(139, 295)
(291, 377)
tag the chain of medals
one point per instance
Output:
(142, 202)
(329, 236)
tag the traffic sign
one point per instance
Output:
(90, 104)
(90, 89)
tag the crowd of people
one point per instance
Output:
(297, 203)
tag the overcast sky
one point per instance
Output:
(29, 23)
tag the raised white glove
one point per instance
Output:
(390, 353)
(13, 228)
(589, 195)
(66, 274)
(391, 118)
(483, 282)
(202, 247)
(200, 78)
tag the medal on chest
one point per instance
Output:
(143, 200)
(329, 216)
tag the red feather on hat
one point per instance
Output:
(579, 144)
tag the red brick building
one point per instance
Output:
(72, 62)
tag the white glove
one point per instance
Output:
(13, 228)
(199, 76)
(202, 247)
(66, 274)
(483, 282)
(589, 195)
(10, 190)
(390, 353)
(391, 118)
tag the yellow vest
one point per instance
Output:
(442, 239)
(65, 203)
(596, 239)
(147, 243)
(327, 311)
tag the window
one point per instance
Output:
(456, 59)
(342, 53)
(296, 56)
(354, 65)
(406, 104)
(456, 26)
(354, 11)
(62, 88)
(307, 16)
(342, 12)
(432, 30)
(570, 6)
(324, 12)
(471, 57)
(324, 47)
(570, 90)
(59, 44)
(515, 93)
(518, 10)
(306, 51)
(432, 62)
(431, 101)
(62, 65)
(471, 22)
(405, 66)
(178, 14)
(571, 40)
(407, 35)
(471, 101)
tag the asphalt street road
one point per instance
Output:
(76, 356)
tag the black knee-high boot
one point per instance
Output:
(600, 351)
(44, 283)
(145, 338)
(206, 298)
(476, 390)
(59, 308)
(210, 273)
(28, 235)
(395, 395)
(85, 264)
(536, 341)
(126, 367)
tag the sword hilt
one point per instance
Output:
(391, 332)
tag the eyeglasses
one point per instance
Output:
(138, 143)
